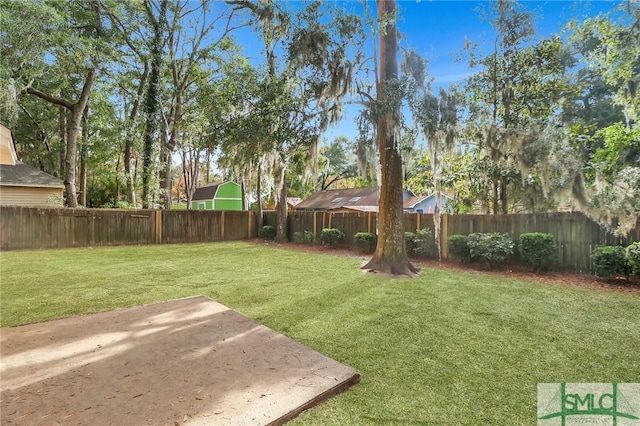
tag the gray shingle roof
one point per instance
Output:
(206, 192)
(25, 175)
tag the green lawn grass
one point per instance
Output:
(443, 348)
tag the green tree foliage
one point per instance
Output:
(607, 171)
(302, 89)
(336, 163)
(612, 48)
(516, 88)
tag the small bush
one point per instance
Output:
(306, 237)
(425, 243)
(268, 232)
(309, 237)
(331, 236)
(459, 247)
(610, 261)
(632, 253)
(366, 241)
(538, 250)
(492, 248)
(409, 241)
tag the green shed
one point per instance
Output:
(218, 196)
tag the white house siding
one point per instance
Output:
(26, 196)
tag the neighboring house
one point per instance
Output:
(219, 196)
(292, 202)
(427, 204)
(364, 200)
(23, 185)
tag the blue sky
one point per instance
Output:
(437, 30)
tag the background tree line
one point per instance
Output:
(135, 104)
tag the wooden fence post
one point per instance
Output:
(222, 225)
(444, 231)
(158, 226)
(250, 216)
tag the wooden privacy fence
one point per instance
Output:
(41, 228)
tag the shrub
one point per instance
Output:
(409, 241)
(268, 232)
(425, 243)
(459, 247)
(306, 237)
(632, 254)
(309, 237)
(331, 236)
(538, 250)
(366, 241)
(492, 248)
(610, 261)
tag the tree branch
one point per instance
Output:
(56, 101)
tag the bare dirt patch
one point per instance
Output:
(188, 361)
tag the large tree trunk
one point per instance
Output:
(83, 160)
(165, 175)
(390, 255)
(72, 132)
(152, 102)
(281, 203)
(504, 197)
(259, 198)
(495, 197)
(63, 139)
(128, 143)
(70, 164)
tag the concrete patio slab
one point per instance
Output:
(190, 361)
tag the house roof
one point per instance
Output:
(332, 199)
(359, 199)
(294, 201)
(16, 173)
(411, 202)
(364, 209)
(207, 192)
(24, 175)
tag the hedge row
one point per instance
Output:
(538, 251)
